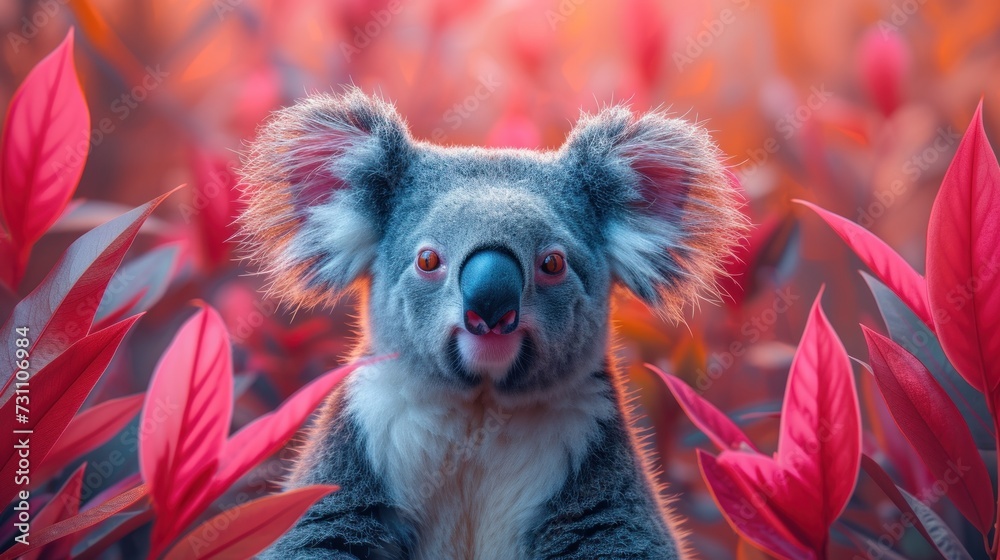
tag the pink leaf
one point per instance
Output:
(265, 435)
(963, 273)
(784, 491)
(61, 309)
(710, 420)
(189, 401)
(884, 262)
(87, 431)
(79, 522)
(934, 426)
(65, 504)
(45, 143)
(56, 393)
(820, 435)
(249, 528)
(748, 512)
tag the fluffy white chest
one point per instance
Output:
(470, 470)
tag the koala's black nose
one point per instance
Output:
(491, 281)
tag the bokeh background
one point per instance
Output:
(856, 105)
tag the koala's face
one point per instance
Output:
(488, 276)
(486, 266)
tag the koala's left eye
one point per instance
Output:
(553, 264)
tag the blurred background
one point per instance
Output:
(857, 105)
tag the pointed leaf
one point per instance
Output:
(65, 504)
(909, 332)
(884, 262)
(963, 271)
(61, 309)
(934, 426)
(56, 393)
(941, 538)
(747, 513)
(820, 434)
(87, 431)
(45, 140)
(84, 520)
(249, 528)
(178, 458)
(710, 420)
(265, 435)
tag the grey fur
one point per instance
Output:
(338, 193)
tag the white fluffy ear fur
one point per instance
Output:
(669, 207)
(314, 183)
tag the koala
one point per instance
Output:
(498, 427)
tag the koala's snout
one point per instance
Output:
(491, 281)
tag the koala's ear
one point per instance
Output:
(669, 209)
(317, 184)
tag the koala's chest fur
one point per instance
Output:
(470, 471)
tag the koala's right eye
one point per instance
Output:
(428, 260)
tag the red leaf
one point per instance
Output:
(784, 491)
(79, 522)
(963, 273)
(710, 420)
(61, 309)
(820, 435)
(934, 426)
(65, 504)
(57, 391)
(265, 435)
(249, 528)
(748, 512)
(189, 401)
(819, 442)
(884, 262)
(87, 431)
(45, 143)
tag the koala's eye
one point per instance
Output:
(553, 264)
(428, 260)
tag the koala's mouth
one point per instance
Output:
(492, 356)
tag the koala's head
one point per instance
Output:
(486, 266)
